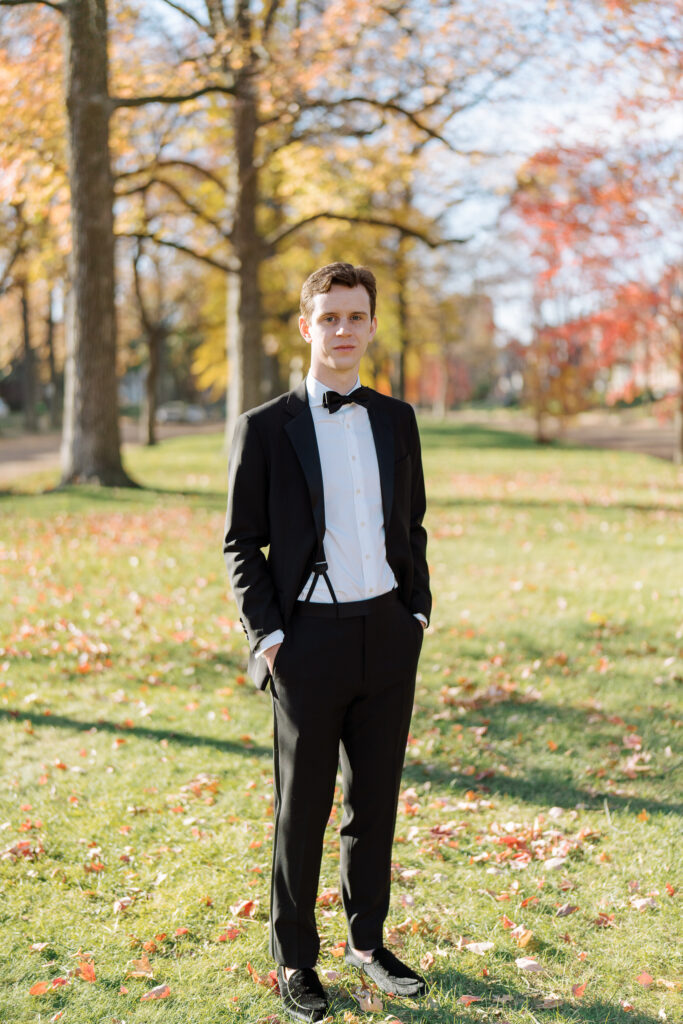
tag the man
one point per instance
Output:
(329, 478)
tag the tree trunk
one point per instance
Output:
(28, 375)
(244, 288)
(402, 311)
(91, 448)
(678, 418)
(53, 387)
(155, 340)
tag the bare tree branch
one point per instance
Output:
(187, 203)
(23, 3)
(160, 164)
(188, 14)
(229, 267)
(5, 279)
(275, 240)
(386, 105)
(270, 15)
(139, 101)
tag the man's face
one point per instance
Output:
(340, 330)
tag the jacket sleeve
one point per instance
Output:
(247, 532)
(421, 598)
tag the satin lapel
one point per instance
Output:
(301, 433)
(383, 434)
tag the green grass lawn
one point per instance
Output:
(540, 812)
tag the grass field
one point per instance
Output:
(538, 846)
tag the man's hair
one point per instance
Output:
(320, 282)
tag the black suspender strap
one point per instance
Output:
(320, 569)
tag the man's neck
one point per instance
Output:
(340, 382)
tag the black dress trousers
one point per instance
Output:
(343, 687)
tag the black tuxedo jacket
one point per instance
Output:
(275, 501)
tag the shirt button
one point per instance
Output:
(371, 590)
(358, 490)
(367, 556)
(353, 458)
(362, 524)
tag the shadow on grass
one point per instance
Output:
(84, 494)
(449, 435)
(500, 998)
(140, 731)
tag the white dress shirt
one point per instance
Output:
(354, 544)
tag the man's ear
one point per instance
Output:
(373, 327)
(304, 330)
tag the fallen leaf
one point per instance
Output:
(524, 938)
(625, 1005)
(467, 1000)
(328, 897)
(142, 968)
(549, 1002)
(565, 910)
(367, 1001)
(527, 963)
(86, 971)
(245, 908)
(427, 961)
(480, 948)
(578, 990)
(160, 992)
(645, 979)
(182, 931)
(38, 989)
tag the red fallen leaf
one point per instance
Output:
(86, 971)
(670, 889)
(160, 937)
(57, 1016)
(229, 934)
(328, 897)
(160, 992)
(467, 1000)
(38, 989)
(245, 908)
(578, 990)
(645, 979)
(182, 931)
(123, 991)
(270, 981)
(60, 764)
(625, 1005)
(338, 950)
(57, 982)
(604, 920)
(506, 922)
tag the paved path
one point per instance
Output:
(29, 453)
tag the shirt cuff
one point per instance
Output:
(268, 641)
(421, 618)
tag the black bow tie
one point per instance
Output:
(333, 401)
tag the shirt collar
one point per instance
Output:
(316, 390)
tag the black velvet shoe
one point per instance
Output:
(388, 973)
(303, 997)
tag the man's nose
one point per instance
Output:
(343, 327)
